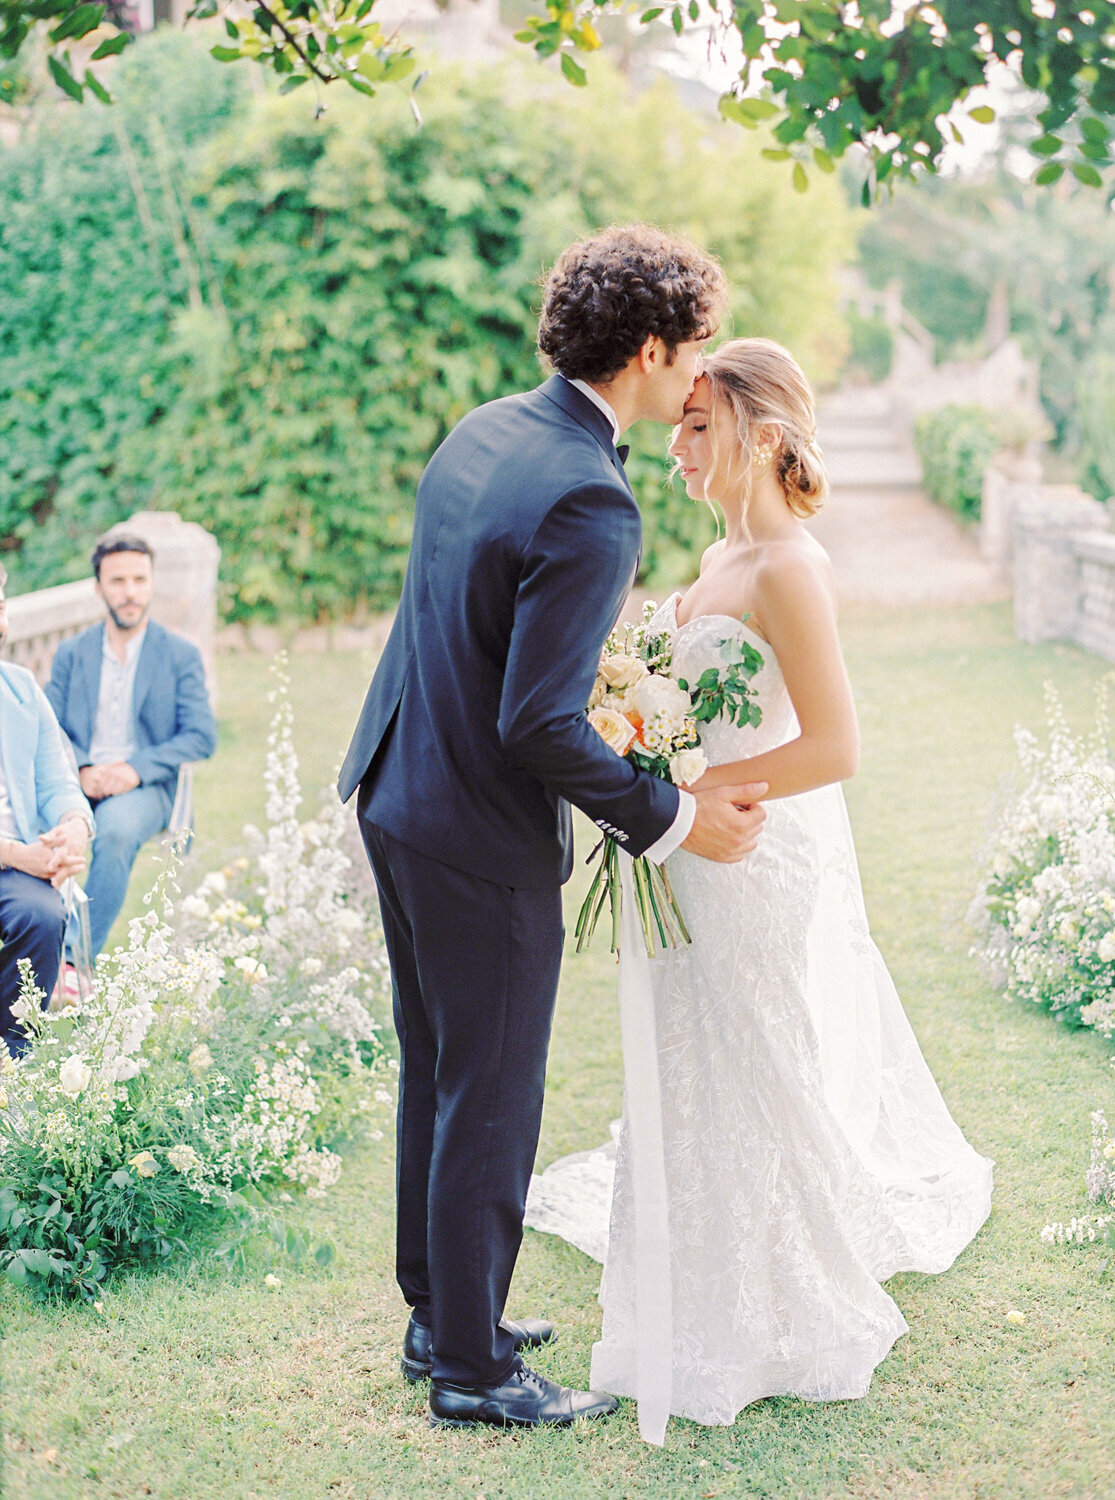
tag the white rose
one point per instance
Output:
(622, 671)
(20, 1008)
(124, 1068)
(687, 767)
(194, 906)
(251, 968)
(215, 882)
(347, 920)
(74, 1076)
(599, 691)
(660, 696)
(183, 1158)
(1106, 949)
(616, 731)
(1028, 911)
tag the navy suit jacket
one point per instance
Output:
(473, 738)
(172, 719)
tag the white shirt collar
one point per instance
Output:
(597, 400)
(132, 648)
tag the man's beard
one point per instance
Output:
(122, 624)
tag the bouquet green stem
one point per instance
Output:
(660, 918)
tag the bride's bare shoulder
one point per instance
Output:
(710, 553)
(798, 563)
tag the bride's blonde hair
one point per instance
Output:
(762, 383)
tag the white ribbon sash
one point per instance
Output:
(653, 1291)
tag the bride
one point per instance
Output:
(797, 1152)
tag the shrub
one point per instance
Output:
(331, 296)
(955, 445)
(1046, 907)
(1096, 416)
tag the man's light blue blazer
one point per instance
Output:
(171, 717)
(42, 782)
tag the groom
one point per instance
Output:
(472, 742)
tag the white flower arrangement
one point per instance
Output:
(233, 1049)
(1046, 908)
(1086, 1229)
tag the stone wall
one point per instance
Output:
(1055, 544)
(186, 561)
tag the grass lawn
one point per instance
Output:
(195, 1385)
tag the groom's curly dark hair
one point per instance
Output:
(607, 295)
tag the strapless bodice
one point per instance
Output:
(707, 641)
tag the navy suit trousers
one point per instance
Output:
(475, 970)
(32, 918)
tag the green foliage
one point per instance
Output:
(90, 277)
(826, 77)
(954, 246)
(1096, 408)
(872, 351)
(882, 79)
(333, 296)
(955, 445)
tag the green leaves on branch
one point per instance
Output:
(832, 77)
(828, 76)
(304, 42)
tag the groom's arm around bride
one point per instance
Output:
(472, 742)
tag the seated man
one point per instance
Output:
(131, 696)
(45, 824)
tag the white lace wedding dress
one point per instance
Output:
(806, 1153)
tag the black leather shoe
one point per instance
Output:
(525, 1399)
(529, 1333)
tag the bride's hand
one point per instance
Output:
(727, 823)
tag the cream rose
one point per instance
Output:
(687, 767)
(74, 1076)
(621, 672)
(656, 696)
(616, 731)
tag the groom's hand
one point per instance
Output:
(728, 822)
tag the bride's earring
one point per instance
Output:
(762, 456)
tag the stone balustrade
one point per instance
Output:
(185, 600)
(1054, 542)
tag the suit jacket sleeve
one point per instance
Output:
(58, 695)
(195, 732)
(575, 575)
(57, 789)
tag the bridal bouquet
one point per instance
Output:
(654, 720)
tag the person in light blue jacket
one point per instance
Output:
(131, 696)
(45, 825)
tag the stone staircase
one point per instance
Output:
(867, 442)
(888, 543)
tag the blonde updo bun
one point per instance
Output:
(763, 384)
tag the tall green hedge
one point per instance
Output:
(275, 332)
(90, 282)
(955, 445)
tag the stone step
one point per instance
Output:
(866, 468)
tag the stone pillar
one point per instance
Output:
(1046, 568)
(1007, 483)
(1095, 631)
(186, 560)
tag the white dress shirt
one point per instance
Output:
(682, 825)
(114, 727)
